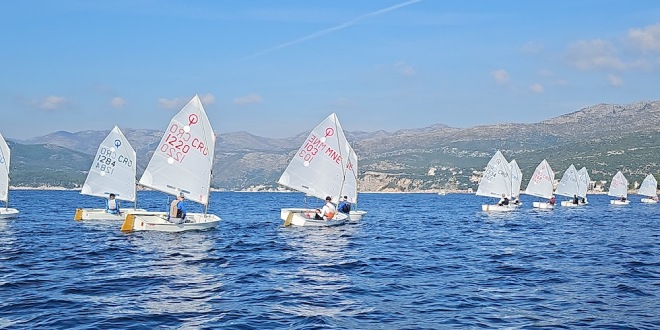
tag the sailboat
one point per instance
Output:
(568, 186)
(516, 182)
(349, 188)
(649, 188)
(180, 166)
(583, 185)
(619, 188)
(5, 157)
(318, 169)
(496, 182)
(540, 185)
(113, 172)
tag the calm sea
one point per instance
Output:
(415, 261)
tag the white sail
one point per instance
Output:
(583, 182)
(317, 168)
(5, 159)
(183, 160)
(113, 170)
(349, 188)
(568, 185)
(540, 184)
(618, 186)
(649, 186)
(496, 179)
(516, 178)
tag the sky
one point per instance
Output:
(278, 68)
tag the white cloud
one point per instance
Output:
(532, 47)
(179, 102)
(248, 99)
(501, 76)
(593, 54)
(614, 80)
(537, 88)
(646, 39)
(53, 103)
(174, 103)
(207, 98)
(118, 102)
(405, 69)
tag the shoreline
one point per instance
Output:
(448, 192)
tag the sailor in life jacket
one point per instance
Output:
(344, 206)
(112, 205)
(328, 211)
(177, 209)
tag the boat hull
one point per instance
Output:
(649, 201)
(100, 214)
(297, 217)
(543, 205)
(498, 208)
(8, 213)
(619, 202)
(570, 204)
(157, 221)
(356, 215)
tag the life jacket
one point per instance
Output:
(174, 211)
(345, 207)
(112, 204)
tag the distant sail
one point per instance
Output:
(540, 184)
(496, 179)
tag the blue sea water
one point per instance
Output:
(415, 261)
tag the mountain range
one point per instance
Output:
(604, 137)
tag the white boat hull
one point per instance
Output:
(649, 201)
(298, 217)
(543, 205)
(101, 214)
(157, 221)
(356, 215)
(570, 204)
(619, 202)
(498, 208)
(8, 213)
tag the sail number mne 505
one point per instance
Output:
(178, 143)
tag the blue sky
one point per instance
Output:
(277, 68)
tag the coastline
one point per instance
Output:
(448, 192)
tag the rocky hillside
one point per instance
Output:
(604, 138)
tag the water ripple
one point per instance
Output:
(436, 262)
